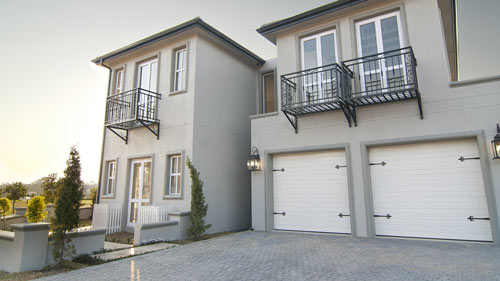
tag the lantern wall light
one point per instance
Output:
(495, 144)
(253, 161)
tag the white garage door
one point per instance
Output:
(424, 190)
(311, 193)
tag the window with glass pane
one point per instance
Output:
(110, 178)
(268, 93)
(180, 70)
(118, 81)
(175, 173)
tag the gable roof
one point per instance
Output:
(196, 22)
(268, 30)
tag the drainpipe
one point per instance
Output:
(98, 197)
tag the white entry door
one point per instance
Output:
(424, 190)
(311, 193)
(140, 188)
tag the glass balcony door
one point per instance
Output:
(382, 34)
(140, 188)
(317, 51)
(147, 80)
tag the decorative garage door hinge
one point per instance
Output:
(339, 166)
(471, 218)
(462, 159)
(277, 213)
(388, 216)
(383, 163)
(279, 170)
(343, 215)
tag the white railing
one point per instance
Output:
(153, 214)
(107, 216)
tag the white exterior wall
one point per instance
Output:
(225, 97)
(461, 110)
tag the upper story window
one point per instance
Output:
(147, 75)
(379, 34)
(110, 179)
(268, 97)
(180, 69)
(118, 84)
(319, 50)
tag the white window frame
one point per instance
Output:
(263, 91)
(108, 191)
(178, 69)
(380, 46)
(174, 173)
(118, 85)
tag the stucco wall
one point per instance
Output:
(225, 97)
(456, 110)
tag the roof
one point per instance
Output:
(267, 29)
(196, 22)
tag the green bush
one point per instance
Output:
(87, 259)
(35, 210)
(4, 208)
(197, 226)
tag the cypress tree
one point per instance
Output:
(197, 226)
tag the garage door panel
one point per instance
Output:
(428, 192)
(311, 192)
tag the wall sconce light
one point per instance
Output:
(253, 161)
(495, 144)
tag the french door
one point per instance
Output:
(378, 35)
(140, 188)
(147, 79)
(317, 51)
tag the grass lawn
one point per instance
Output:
(23, 203)
(30, 275)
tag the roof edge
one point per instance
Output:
(314, 13)
(196, 22)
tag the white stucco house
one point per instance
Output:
(184, 92)
(381, 121)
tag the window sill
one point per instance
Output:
(177, 93)
(172, 197)
(462, 83)
(263, 115)
(110, 196)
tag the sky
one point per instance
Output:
(53, 97)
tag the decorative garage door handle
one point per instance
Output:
(279, 170)
(388, 216)
(339, 166)
(471, 218)
(343, 215)
(383, 163)
(462, 159)
(282, 213)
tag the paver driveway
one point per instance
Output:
(296, 256)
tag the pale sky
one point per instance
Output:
(52, 96)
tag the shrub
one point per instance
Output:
(4, 208)
(197, 226)
(35, 210)
(87, 259)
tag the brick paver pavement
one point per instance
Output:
(296, 256)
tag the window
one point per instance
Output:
(268, 93)
(118, 87)
(110, 179)
(147, 75)
(174, 175)
(180, 70)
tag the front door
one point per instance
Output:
(318, 51)
(140, 188)
(147, 81)
(380, 73)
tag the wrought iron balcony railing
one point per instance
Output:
(131, 109)
(385, 77)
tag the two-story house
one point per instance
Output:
(376, 120)
(184, 92)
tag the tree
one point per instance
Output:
(197, 226)
(35, 210)
(5, 208)
(15, 192)
(49, 186)
(93, 197)
(67, 207)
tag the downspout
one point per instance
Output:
(98, 197)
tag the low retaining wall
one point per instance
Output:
(12, 219)
(174, 229)
(28, 247)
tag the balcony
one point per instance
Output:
(132, 109)
(380, 78)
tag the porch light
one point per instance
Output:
(495, 144)
(253, 161)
